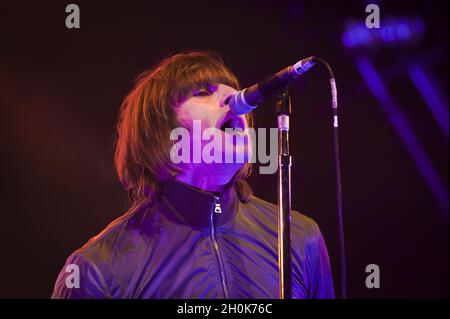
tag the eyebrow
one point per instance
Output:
(213, 86)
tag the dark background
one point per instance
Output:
(60, 90)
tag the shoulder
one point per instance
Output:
(99, 260)
(118, 241)
(301, 224)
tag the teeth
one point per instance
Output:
(234, 123)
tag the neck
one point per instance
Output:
(211, 180)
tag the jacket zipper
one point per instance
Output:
(217, 209)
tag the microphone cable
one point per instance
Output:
(337, 163)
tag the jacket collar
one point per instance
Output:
(192, 206)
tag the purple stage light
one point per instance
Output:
(399, 122)
(430, 95)
(392, 31)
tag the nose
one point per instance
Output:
(225, 100)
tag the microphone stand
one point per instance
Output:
(283, 110)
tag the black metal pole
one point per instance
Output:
(283, 110)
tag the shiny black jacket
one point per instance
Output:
(194, 244)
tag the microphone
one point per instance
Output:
(247, 100)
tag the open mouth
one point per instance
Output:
(233, 123)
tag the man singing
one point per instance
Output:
(194, 229)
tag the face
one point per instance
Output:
(209, 107)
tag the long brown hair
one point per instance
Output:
(146, 118)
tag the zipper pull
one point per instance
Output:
(217, 206)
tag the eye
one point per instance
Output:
(202, 92)
(205, 91)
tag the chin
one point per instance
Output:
(240, 154)
(238, 149)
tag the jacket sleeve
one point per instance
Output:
(80, 278)
(320, 276)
